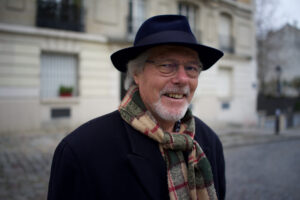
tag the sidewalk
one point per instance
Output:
(233, 137)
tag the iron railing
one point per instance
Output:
(65, 15)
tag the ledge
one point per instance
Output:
(240, 5)
(36, 31)
(62, 100)
(225, 99)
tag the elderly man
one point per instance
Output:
(152, 147)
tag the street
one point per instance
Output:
(266, 169)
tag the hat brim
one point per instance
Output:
(207, 55)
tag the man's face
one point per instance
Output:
(168, 95)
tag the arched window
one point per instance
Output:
(226, 40)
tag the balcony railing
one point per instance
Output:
(60, 15)
(226, 43)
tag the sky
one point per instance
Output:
(288, 11)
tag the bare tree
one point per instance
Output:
(265, 22)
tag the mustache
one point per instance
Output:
(181, 90)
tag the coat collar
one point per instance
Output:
(147, 163)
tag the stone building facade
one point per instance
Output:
(48, 46)
(284, 52)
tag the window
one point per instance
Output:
(57, 71)
(190, 11)
(225, 86)
(60, 14)
(225, 33)
(225, 82)
(137, 15)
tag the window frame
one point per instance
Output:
(54, 98)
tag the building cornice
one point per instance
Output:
(44, 32)
(238, 5)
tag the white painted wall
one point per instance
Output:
(21, 105)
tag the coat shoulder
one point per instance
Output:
(212, 146)
(100, 131)
(205, 134)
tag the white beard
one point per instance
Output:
(167, 115)
(164, 113)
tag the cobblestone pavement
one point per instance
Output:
(264, 171)
(25, 161)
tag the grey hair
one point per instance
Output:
(135, 66)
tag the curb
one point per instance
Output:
(237, 140)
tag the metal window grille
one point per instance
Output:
(58, 70)
(60, 14)
(60, 113)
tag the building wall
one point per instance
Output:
(22, 43)
(240, 104)
(20, 12)
(21, 105)
(107, 18)
(209, 101)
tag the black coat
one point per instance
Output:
(107, 159)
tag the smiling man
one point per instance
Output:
(152, 147)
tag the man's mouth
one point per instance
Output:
(175, 95)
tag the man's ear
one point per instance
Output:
(136, 78)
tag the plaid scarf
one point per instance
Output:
(192, 181)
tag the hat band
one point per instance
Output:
(167, 37)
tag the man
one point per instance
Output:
(152, 147)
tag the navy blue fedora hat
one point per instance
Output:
(162, 30)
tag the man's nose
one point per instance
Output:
(181, 76)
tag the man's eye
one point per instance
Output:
(192, 68)
(166, 65)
